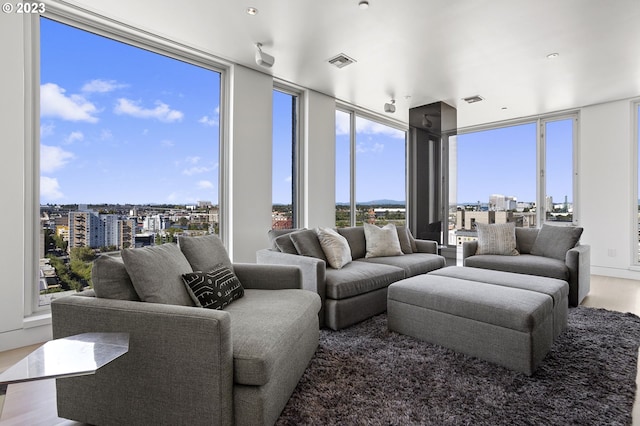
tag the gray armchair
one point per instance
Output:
(190, 365)
(572, 265)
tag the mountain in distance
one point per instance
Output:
(383, 202)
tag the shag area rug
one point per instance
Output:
(367, 375)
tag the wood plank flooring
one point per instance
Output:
(34, 403)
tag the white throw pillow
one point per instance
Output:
(335, 247)
(497, 239)
(382, 241)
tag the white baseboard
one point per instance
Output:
(629, 274)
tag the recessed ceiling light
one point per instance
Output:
(252, 10)
(473, 99)
(363, 5)
(553, 55)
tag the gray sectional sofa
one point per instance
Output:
(188, 364)
(358, 290)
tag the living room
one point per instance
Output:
(598, 82)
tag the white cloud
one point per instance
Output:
(205, 184)
(50, 188)
(364, 126)
(102, 86)
(53, 158)
(47, 129)
(376, 148)
(193, 160)
(161, 112)
(54, 103)
(197, 170)
(288, 179)
(167, 143)
(74, 137)
(105, 135)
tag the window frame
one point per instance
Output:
(635, 188)
(353, 113)
(118, 32)
(298, 150)
(540, 121)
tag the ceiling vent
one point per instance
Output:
(341, 60)
(473, 99)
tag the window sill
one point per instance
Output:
(37, 320)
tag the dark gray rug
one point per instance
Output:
(367, 375)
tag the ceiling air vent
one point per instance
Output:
(341, 60)
(473, 99)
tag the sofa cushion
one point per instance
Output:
(412, 264)
(156, 273)
(111, 280)
(335, 247)
(214, 289)
(405, 239)
(284, 244)
(382, 241)
(556, 241)
(275, 233)
(523, 264)
(204, 252)
(266, 327)
(355, 238)
(307, 244)
(359, 278)
(525, 237)
(497, 238)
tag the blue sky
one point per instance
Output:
(123, 125)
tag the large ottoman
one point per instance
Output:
(512, 327)
(557, 289)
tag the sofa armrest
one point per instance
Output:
(427, 246)
(175, 353)
(268, 277)
(469, 249)
(313, 271)
(578, 261)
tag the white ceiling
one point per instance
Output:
(430, 50)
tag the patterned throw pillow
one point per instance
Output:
(497, 239)
(215, 289)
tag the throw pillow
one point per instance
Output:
(110, 279)
(335, 247)
(156, 273)
(382, 241)
(214, 289)
(204, 252)
(285, 245)
(497, 238)
(556, 241)
(307, 244)
(405, 240)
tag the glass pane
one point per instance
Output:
(343, 169)
(128, 153)
(284, 131)
(496, 180)
(380, 173)
(559, 171)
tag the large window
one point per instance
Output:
(285, 136)
(512, 174)
(129, 151)
(370, 171)
(636, 252)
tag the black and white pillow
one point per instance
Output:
(214, 289)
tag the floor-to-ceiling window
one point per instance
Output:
(284, 170)
(636, 201)
(512, 173)
(370, 171)
(129, 150)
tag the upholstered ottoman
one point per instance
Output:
(557, 289)
(512, 327)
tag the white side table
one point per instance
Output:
(72, 356)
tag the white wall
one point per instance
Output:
(606, 185)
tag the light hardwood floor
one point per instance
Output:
(34, 403)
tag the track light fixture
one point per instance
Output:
(263, 59)
(390, 107)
